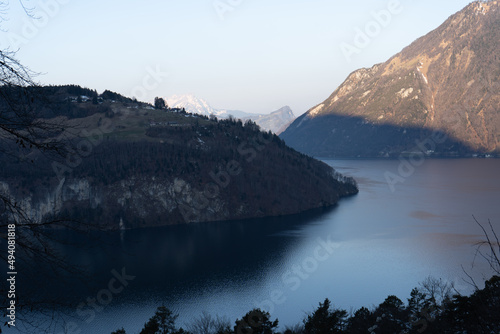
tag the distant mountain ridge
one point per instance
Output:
(197, 105)
(446, 81)
(276, 121)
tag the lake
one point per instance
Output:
(384, 241)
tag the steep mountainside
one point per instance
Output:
(447, 81)
(129, 165)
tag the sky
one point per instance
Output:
(250, 55)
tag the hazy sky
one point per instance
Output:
(250, 55)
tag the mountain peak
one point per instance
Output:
(285, 111)
(483, 7)
(447, 80)
(191, 103)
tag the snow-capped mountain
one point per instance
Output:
(276, 121)
(192, 104)
(196, 105)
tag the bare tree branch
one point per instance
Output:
(493, 258)
(5, 6)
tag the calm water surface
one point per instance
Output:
(380, 242)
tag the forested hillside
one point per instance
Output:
(130, 165)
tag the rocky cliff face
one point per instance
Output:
(134, 202)
(196, 171)
(148, 201)
(47, 201)
(447, 80)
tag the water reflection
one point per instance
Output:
(167, 259)
(385, 243)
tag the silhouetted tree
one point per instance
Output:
(160, 103)
(163, 322)
(119, 331)
(391, 316)
(206, 324)
(295, 329)
(94, 98)
(360, 322)
(325, 321)
(479, 313)
(256, 322)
